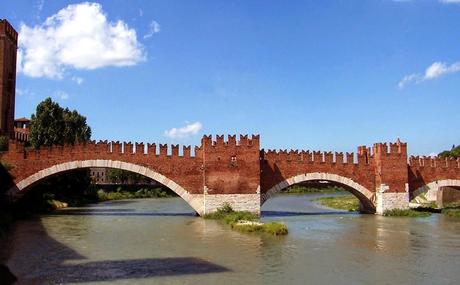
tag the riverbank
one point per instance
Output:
(346, 202)
(303, 189)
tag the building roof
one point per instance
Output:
(23, 119)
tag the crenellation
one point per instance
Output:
(186, 150)
(175, 150)
(350, 157)
(140, 148)
(231, 140)
(317, 156)
(243, 140)
(339, 158)
(328, 157)
(116, 147)
(163, 150)
(127, 148)
(219, 141)
(151, 149)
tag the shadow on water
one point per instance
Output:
(136, 268)
(115, 212)
(65, 265)
(291, 214)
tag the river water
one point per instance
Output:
(160, 241)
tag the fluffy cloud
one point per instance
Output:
(186, 131)
(435, 70)
(154, 28)
(78, 36)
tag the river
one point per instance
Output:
(160, 241)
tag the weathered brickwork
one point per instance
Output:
(238, 172)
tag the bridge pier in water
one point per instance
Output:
(241, 174)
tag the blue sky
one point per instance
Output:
(327, 75)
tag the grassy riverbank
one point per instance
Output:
(411, 213)
(302, 189)
(246, 221)
(347, 203)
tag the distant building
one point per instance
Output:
(21, 129)
(99, 175)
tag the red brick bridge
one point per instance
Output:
(242, 174)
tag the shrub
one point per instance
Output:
(405, 213)
(4, 143)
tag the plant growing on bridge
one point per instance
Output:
(3, 143)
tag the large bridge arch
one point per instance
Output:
(365, 196)
(195, 201)
(428, 192)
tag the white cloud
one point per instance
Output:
(77, 80)
(154, 28)
(189, 130)
(78, 36)
(61, 94)
(435, 70)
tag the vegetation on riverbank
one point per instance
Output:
(303, 189)
(412, 213)
(129, 192)
(246, 221)
(348, 202)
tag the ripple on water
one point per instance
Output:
(160, 241)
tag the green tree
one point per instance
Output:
(123, 177)
(53, 125)
(454, 152)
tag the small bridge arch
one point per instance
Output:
(365, 196)
(31, 180)
(428, 192)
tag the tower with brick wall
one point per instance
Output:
(231, 172)
(8, 48)
(391, 176)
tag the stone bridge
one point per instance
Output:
(242, 174)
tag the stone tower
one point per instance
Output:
(8, 49)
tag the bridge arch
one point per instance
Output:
(194, 201)
(365, 196)
(428, 192)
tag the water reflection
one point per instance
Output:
(162, 242)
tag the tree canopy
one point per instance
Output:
(53, 125)
(454, 152)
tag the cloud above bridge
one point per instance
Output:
(435, 70)
(79, 36)
(188, 130)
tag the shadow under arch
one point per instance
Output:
(428, 192)
(365, 196)
(33, 179)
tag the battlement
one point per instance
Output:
(101, 147)
(392, 148)
(306, 156)
(231, 141)
(434, 162)
(7, 29)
